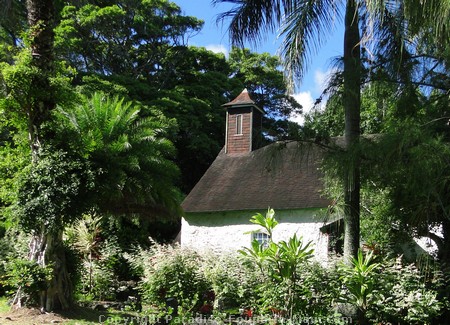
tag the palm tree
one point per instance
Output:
(131, 155)
(304, 24)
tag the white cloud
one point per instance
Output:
(217, 48)
(306, 100)
(321, 79)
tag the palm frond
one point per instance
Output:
(131, 153)
(304, 30)
(251, 19)
(434, 14)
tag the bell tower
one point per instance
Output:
(243, 125)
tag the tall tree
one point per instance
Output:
(157, 68)
(260, 74)
(31, 96)
(45, 245)
(40, 15)
(130, 38)
(303, 23)
(60, 183)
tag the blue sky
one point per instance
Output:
(215, 38)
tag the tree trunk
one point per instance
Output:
(444, 249)
(40, 15)
(352, 103)
(47, 249)
(444, 259)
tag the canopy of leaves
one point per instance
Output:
(127, 38)
(53, 192)
(130, 154)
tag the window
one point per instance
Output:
(239, 124)
(261, 237)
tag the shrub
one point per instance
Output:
(28, 279)
(408, 295)
(319, 288)
(101, 260)
(289, 286)
(13, 247)
(233, 282)
(173, 279)
(99, 280)
(389, 291)
(281, 281)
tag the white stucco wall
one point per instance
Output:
(228, 231)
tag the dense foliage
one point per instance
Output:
(280, 282)
(107, 117)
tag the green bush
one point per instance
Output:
(101, 261)
(390, 291)
(13, 246)
(29, 277)
(280, 281)
(319, 287)
(233, 282)
(408, 294)
(172, 273)
(99, 280)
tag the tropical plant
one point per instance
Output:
(130, 153)
(360, 279)
(268, 222)
(233, 282)
(409, 293)
(84, 237)
(28, 279)
(103, 278)
(280, 263)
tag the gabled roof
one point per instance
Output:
(280, 176)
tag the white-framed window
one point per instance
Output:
(239, 124)
(261, 237)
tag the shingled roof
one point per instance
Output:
(243, 99)
(280, 176)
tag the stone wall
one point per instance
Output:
(229, 231)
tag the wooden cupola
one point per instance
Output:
(243, 125)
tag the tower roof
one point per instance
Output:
(243, 99)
